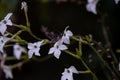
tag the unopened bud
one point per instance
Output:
(24, 6)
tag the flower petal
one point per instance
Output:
(51, 50)
(73, 69)
(30, 46)
(3, 28)
(65, 40)
(3, 40)
(63, 47)
(37, 52)
(8, 16)
(69, 33)
(18, 51)
(57, 53)
(17, 54)
(91, 8)
(8, 22)
(8, 72)
(66, 75)
(39, 43)
(30, 53)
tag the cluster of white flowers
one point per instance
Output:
(33, 48)
(3, 39)
(3, 27)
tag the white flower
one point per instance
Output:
(91, 6)
(3, 40)
(6, 69)
(34, 48)
(8, 72)
(3, 24)
(24, 5)
(68, 73)
(117, 1)
(56, 49)
(66, 36)
(18, 50)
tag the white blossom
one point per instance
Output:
(68, 73)
(56, 49)
(66, 36)
(3, 24)
(18, 50)
(6, 69)
(3, 40)
(8, 72)
(34, 48)
(91, 6)
(117, 1)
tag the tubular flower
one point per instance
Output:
(24, 6)
(66, 36)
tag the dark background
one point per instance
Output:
(56, 16)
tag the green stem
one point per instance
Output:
(27, 19)
(42, 58)
(76, 39)
(74, 55)
(113, 65)
(19, 64)
(30, 32)
(115, 70)
(17, 38)
(94, 76)
(14, 58)
(105, 34)
(8, 45)
(102, 60)
(80, 48)
(84, 72)
(16, 34)
(77, 57)
(27, 29)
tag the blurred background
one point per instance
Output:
(56, 15)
